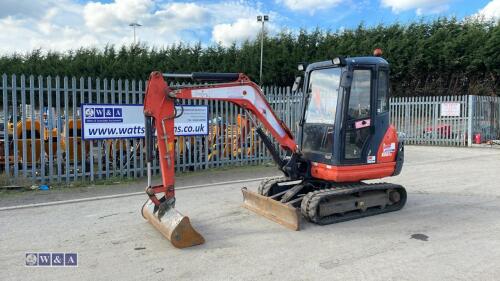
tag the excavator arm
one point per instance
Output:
(160, 112)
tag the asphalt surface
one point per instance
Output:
(56, 193)
(449, 230)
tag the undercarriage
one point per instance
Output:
(323, 202)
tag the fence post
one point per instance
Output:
(24, 136)
(34, 146)
(470, 105)
(5, 109)
(14, 127)
(42, 128)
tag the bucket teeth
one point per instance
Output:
(283, 214)
(174, 226)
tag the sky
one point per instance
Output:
(70, 24)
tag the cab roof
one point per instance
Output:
(368, 60)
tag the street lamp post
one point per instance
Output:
(262, 19)
(134, 25)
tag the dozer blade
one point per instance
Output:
(174, 226)
(283, 214)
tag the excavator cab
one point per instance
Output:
(346, 115)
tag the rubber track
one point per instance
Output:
(310, 203)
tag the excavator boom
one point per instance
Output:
(160, 112)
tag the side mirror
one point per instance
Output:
(296, 84)
(346, 79)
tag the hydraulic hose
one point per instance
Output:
(271, 147)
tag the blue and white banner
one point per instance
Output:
(106, 121)
(193, 121)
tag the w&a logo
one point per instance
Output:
(51, 259)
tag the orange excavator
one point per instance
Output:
(344, 138)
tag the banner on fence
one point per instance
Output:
(450, 109)
(193, 120)
(105, 121)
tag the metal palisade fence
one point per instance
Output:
(422, 121)
(40, 128)
(446, 120)
(40, 131)
(485, 117)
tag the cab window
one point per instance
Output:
(324, 85)
(383, 92)
(323, 91)
(359, 99)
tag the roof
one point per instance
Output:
(367, 60)
(352, 60)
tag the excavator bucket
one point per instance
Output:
(276, 211)
(174, 226)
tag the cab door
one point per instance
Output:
(358, 116)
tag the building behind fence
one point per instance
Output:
(40, 127)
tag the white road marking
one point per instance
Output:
(104, 197)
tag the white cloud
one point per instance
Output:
(70, 24)
(102, 17)
(238, 23)
(57, 27)
(309, 5)
(242, 29)
(490, 11)
(179, 16)
(45, 24)
(421, 7)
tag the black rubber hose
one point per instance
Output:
(270, 146)
(212, 76)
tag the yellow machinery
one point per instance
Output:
(72, 139)
(42, 139)
(37, 147)
(237, 140)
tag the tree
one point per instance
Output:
(441, 57)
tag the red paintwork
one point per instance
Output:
(160, 107)
(390, 137)
(352, 173)
(384, 166)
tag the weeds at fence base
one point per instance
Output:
(9, 182)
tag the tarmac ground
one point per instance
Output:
(448, 230)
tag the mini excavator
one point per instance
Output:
(344, 138)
